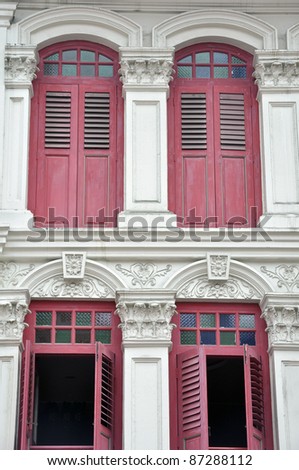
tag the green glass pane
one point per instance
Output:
(69, 70)
(188, 320)
(220, 58)
(63, 336)
(43, 318)
(208, 337)
(103, 58)
(236, 60)
(185, 60)
(104, 336)
(227, 338)
(83, 318)
(207, 320)
(43, 336)
(63, 318)
(188, 337)
(247, 321)
(69, 55)
(106, 71)
(203, 72)
(83, 336)
(247, 337)
(87, 56)
(103, 318)
(239, 72)
(184, 72)
(220, 72)
(202, 58)
(53, 57)
(51, 69)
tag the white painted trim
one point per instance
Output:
(228, 26)
(74, 22)
(293, 37)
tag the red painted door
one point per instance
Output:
(104, 398)
(27, 424)
(193, 419)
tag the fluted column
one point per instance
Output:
(146, 330)
(13, 308)
(281, 313)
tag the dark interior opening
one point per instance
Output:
(226, 402)
(64, 400)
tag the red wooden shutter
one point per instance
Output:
(254, 392)
(193, 423)
(27, 397)
(104, 398)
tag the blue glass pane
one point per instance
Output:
(103, 318)
(208, 337)
(188, 320)
(188, 337)
(50, 69)
(227, 338)
(202, 58)
(203, 72)
(236, 60)
(184, 72)
(103, 58)
(87, 56)
(207, 320)
(247, 337)
(220, 72)
(227, 320)
(247, 321)
(239, 72)
(87, 70)
(69, 70)
(69, 55)
(186, 59)
(220, 58)
(106, 71)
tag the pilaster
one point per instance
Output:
(146, 330)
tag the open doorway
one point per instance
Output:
(226, 402)
(64, 400)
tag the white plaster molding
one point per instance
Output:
(276, 69)
(7, 11)
(73, 265)
(11, 274)
(287, 276)
(4, 229)
(146, 67)
(20, 66)
(293, 37)
(71, 22)
(230, 26)
(143, 274)
(203, 288)
(218, 266)
(13, 309)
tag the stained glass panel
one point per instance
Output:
(247, 337)
(239, 72)
(227, 338)
(208, 337)
(227, 320)
(188, 337)
(63, 336)
(188, 320)
(247, 321)
(207, 320)
(103, 319)
(104, 336)
(83, 318)
(43, 318)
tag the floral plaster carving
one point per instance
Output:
(277, 73)
(20, 68)
(73, 265)
(142, 320)
(11, 274)
(89, 288)
(282, 324)
(287, 276)
(205, 288)
(218, 267)
(146, 71)
(144, 274)
(12, 316)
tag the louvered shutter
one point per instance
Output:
(233, 155)
(254, 389)
(193, 424)
(27, 397)
(104, 419)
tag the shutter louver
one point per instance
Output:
(58, 120)
(257, 393)
(97, 121)
(191, 414)
(232, 122)
(193, 121)
(107, 393)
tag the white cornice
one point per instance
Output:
(7, 11)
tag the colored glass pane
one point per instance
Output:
(52, 57)
(236, 60)
(227, 320)
(184, 71)
(50, 69)
(247, 337)
(188, 337)
(87, 70)
(207, 320)
(203, 72)
(220, 72)
(69, 55)
(63, 336)
(103, 58)
(83, 318)
(82, 336)
(246, 321)
(106, 71)
(202, 58)
(104, 336)
(103, 319)
(87, 56)
(208, 337)
(43, 318)
(185, 60)
(188, 320)
(63, 318)
(227, 338)
(220, 58)
(239, 72)
(69, 70)
(42, 336)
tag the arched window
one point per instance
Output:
(214, 169)
(76, 136)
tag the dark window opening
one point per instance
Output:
(226, 402)
(64, 400)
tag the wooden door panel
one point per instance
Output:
(234, 190)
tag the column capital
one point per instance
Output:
(13, 309)
(146, 67)
(281, 313)
(146, 316)
(7, 11)
(20, 65)
(276, 70)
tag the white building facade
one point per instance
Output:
(121, 334)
